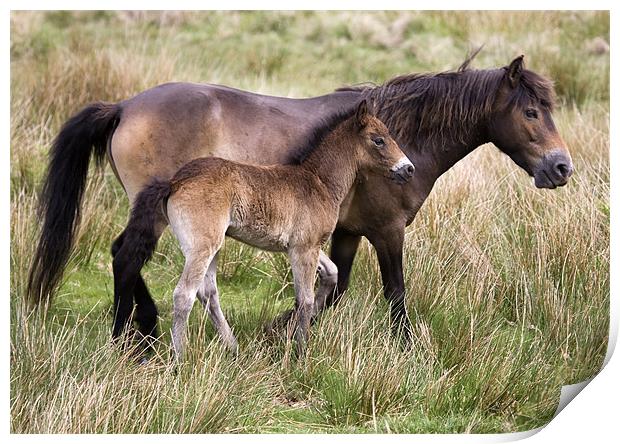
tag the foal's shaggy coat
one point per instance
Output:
(287, 208)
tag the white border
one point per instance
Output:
(592, 416)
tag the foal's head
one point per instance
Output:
(375, 148)
(523, 128)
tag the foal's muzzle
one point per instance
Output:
(403, 170)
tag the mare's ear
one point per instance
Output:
(362, 114)
(513, 71)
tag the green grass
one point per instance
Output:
(508, 285)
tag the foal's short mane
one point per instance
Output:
(423, 108)
(316, 135)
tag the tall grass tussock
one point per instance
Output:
(508, 285)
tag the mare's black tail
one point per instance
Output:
(139, 237)
(83, 135)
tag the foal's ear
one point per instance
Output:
(362, 114)
(514, 71)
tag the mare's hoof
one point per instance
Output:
(279, 324)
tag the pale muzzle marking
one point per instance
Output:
(402, 162)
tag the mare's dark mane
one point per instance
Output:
(317, 135)
(438, 108)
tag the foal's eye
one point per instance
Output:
(531, 113)
(378, 141)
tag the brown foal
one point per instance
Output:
(285, 208)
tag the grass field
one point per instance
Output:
(508, 285)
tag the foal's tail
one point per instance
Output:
(83, 135)
(139, 236)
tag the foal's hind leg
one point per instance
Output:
(209, 296)
(196, 264)
(328, 278)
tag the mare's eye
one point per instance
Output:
(531, 113)
(378, 141)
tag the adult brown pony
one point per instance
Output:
(285, 208)
(437, 119)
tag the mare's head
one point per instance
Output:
(522, 127)
(376, 150)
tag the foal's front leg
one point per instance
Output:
(328, 278)
(304, 263)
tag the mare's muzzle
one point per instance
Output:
(403, 170)
(554, 171)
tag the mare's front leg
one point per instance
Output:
(389, 247)
(304, 263)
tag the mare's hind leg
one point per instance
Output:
(125, 272)
(129, 285)
(146, 310)
(304, 263)
(209, 296)
(146, 313)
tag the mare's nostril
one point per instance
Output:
(410, 170)
(563, 169)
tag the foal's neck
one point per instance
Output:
(334, 163)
